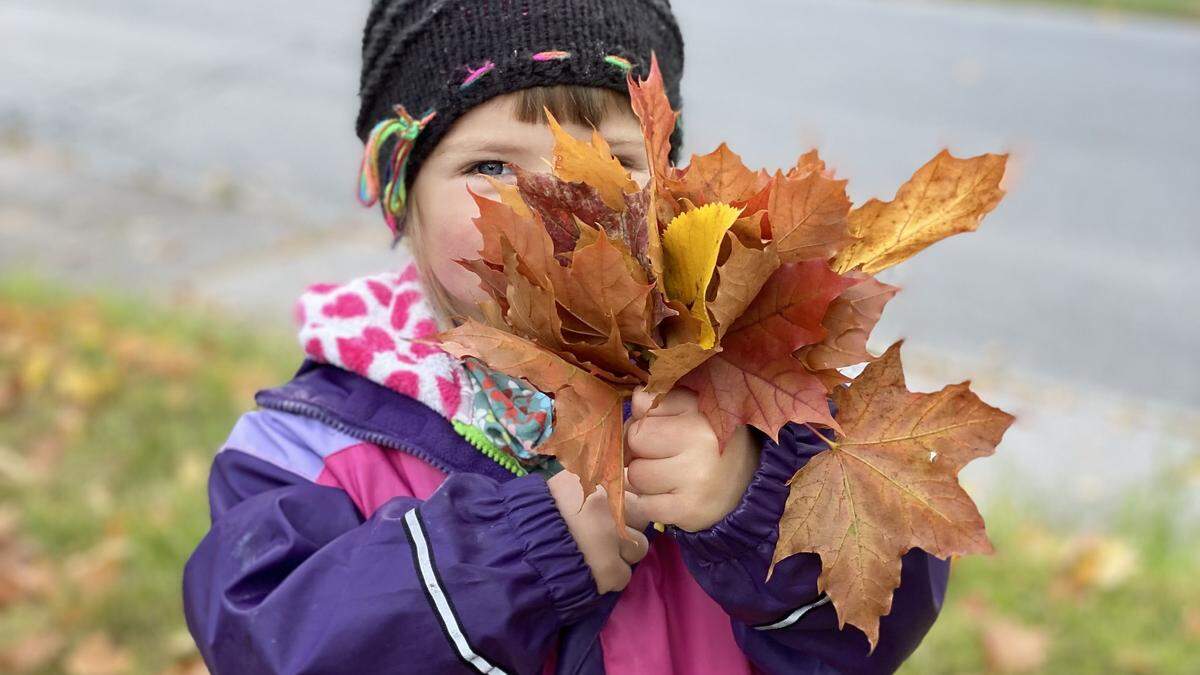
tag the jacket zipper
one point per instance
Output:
(470, 434)
(362, 435)
(482, 443)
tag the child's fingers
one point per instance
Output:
(634, 517)
(653, 438)
(640, 404)
(662, 508)
(635, 547)
(654, 476)
(675, 402)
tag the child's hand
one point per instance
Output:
(676, 469)
(609, 556)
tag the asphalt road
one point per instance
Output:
(207, 149)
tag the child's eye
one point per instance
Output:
(491, 167)
(631, 163)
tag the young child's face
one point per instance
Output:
(487, 141)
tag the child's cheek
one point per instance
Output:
(451, 238)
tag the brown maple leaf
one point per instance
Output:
(755, 224)
(808, 216)
(755, 379)
(719, 176)
(739, 280)
(888, 483)
(736, 388)
(649, 100)
(562, 205)
(807, 163)
(498, 222)
(848, 323)
(600, 287)
(946, 196)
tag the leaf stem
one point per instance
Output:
(828, 442)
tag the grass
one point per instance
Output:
(110, 411)
(1057, 599)
(1186, 9)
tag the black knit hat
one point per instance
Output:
(446, 56)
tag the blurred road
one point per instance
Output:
(206, 150)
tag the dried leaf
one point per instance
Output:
(498, 223)
(649, 100)
(888, 483)
(755, 379)
(561, 206)
(735, 388)
(808, 216)
(848, 323)
(719, 176)
(945, 197)
(97, 655)
(755, 223)
(691, 245)
(510, 196)
(809, 162)
(592, 163)
(787, 313)
(672, 363)
(740, 278)
(600, 287)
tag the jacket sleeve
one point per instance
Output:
(785, 626)
(292, 579)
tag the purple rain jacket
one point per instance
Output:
(309, 568)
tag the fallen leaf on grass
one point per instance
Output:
(98, 655)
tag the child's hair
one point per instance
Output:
(440, 58)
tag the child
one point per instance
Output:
(387, 510)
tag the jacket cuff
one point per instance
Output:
(754, 522)
(549, 547)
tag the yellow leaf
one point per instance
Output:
(691, 244)
(592, 163)
(946, 196)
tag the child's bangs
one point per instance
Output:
(569, 103)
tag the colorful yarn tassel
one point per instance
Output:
(394, 192)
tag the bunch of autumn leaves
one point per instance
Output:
(752, 289)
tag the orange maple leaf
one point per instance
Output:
(888, 483)
(848, 323)
(754, 379)
(808, 216)
(946, 196)
(719, 176)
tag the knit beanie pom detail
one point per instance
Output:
(402, 130)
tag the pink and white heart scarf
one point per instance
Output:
(373, 326)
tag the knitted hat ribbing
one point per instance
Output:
(447, 56)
